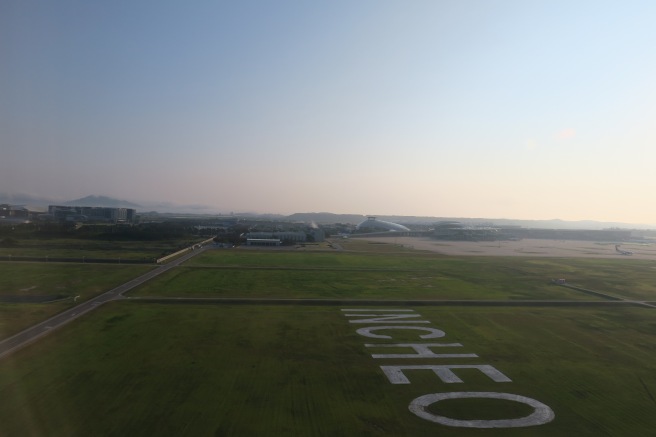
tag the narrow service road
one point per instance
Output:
(39, 330)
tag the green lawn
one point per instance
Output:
(354, 284)
(416, 275)
(131, 368)
(14, 317)
(56, 281)
(315, 259)
(147, 369)
(92, 248)
(70, 279)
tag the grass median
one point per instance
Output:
(61, 282)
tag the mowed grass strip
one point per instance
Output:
(379, 284)
(135, 369)
(145, 369)
(511, 276)
(18, 279)
(77, 248)
(55, 280)
(628, 278)
(318, 259)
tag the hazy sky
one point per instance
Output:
(518, 109)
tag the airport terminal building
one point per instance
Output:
(456, 231)
(372, 224)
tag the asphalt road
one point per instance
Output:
(39, 330)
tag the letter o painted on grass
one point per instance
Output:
(368, 331)
(542, 413)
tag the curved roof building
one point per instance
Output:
(372, 224)
(456, 231)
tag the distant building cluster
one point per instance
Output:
(274, 232)
(572, 234)
(96, 214)
(456, 231)
(277, 238)
(372, 224)
(450, 230)
(15, 214)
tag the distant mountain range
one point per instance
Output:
(41, 203)
(26, 199)
(101, 201)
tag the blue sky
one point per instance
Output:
(499, 109)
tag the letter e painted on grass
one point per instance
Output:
(396, 376)
(422, 350)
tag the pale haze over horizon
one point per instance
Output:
(506, 109)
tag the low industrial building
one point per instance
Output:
(17, 214)
(456, 231)
(313, 234)
(284, 236)
(263, 242)
(571, 234)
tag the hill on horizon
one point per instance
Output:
(326, 217)
(101, 201)
(317, 217)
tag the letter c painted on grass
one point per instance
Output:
(542, 413)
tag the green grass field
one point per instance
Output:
(64, 278)
(342, 284)
(60, 280)
(414, 275)
(14, 317)
(132, 368)
(75, 247)
(146, 369)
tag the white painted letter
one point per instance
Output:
(422, 349)
(359, 310)
(542, 413)
(396, 376)
(386, 318)
(367, 332)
